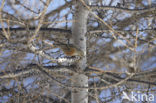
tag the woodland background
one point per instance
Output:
(120, 50)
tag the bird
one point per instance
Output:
(17, 2)
(138, 2)
(70, 50)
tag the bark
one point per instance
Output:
(79, 29)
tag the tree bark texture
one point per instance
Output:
(79, 29)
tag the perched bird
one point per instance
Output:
(138, 2)
(17, 2)
(70, 50)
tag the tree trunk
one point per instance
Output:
(79, 29)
